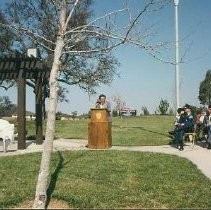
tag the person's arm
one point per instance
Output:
(97, 105)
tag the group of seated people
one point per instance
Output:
(186, 123)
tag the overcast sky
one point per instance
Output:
(143, 80)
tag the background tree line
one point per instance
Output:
(7, 108)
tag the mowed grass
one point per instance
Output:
(144, 130)
(126, 131)
(108, 179)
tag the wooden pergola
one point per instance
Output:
(19, 68)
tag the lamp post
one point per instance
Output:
(176, 2)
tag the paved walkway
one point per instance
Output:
(200, 156)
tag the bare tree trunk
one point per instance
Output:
(42, 183)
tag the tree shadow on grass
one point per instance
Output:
(54, 178)
(155, 132)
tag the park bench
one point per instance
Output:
(6, 133)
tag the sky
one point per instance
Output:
(144, 80)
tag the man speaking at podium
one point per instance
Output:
(99, 127)
(102, 103)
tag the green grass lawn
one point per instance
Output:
(110, 179)
(149, 130)
(128, 131)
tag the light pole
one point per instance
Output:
(176, 2)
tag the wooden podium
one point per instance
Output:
(99, 129)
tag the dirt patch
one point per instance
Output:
(54, 204)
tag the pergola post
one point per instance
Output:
(20, 67)
(21, 112)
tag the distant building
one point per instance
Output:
(64, 116)
(128, 112)
(29, 115)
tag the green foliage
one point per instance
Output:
(145, 110)
(7, 108)
(205, 89)
(58, 115)
(171, 111)
(74, 113)
(107, 180)
(163, 106)
(114, 113)
(5, 36)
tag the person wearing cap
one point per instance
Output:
(207, 124)
(185, 125)
(180, 111)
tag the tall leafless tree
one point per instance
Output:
(119, 103)
(97, 36)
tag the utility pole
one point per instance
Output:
(176, 2)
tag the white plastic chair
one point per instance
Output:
(6, 133)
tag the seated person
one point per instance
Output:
(199, 126)
(189, 121)
(184, 124)
(207, 125)
(179, 128)
(180, 111)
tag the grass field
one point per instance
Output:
(144, 130)
(110, 179)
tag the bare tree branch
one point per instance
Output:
(70, 14)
